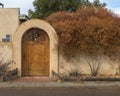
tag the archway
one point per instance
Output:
(53, 41)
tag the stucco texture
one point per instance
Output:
(9, 21)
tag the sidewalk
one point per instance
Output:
(62, 84)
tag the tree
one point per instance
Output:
(2, 5)
(93, 32)
(43, 8)
(97, 3)
(88, 29)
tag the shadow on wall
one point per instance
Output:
(8, 70)
(5, 54)
(86, 65)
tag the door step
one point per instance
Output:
(33, 79)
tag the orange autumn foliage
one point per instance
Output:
(88, 30)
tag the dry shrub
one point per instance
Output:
(89, 30)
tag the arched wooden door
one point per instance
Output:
(35, 53)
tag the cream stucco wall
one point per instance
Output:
(9, 21)
(5, 52)
(81, 64)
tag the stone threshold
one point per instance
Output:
(33, 79)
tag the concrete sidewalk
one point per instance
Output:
(62, 84)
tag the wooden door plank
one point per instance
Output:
(36, 60)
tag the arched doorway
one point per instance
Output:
(35, 53)
(48, 31)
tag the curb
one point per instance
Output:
(55, 84)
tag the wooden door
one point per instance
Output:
(35, 53)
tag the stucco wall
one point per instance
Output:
(6, 55)
(5, 52)
(107, 66)
(9, 21)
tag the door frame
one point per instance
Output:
(17, 39)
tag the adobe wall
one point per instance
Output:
(107, 66)
(9, 21)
